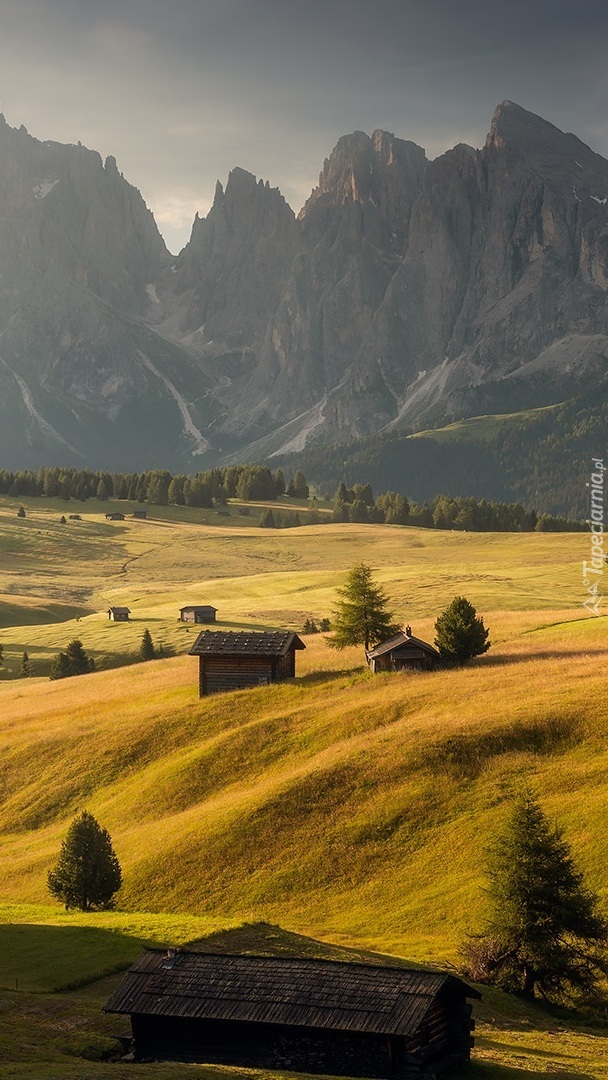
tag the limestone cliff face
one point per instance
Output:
(79, 256)
(497, 271)
(405, 291)
(353, 232)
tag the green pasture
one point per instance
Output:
(58, 581)
(485, 428)
(64, 1034)
(351, 811)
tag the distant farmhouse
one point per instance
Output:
(114, 515)
(235, 660)
(198, 613)
(315, 1016)
(119, 614)
(404, 652)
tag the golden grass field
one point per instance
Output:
(350, 808)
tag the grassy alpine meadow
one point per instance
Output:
(338, 814)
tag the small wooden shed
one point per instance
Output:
(234, 660)
(115, 516)
(198, 613)
(404, 652)
(299, 1014)
(119, 614)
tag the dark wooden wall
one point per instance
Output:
(221, 673)
(262, 1046)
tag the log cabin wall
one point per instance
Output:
(266, 1046)
(220, 673)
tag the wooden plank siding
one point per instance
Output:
(221, 673)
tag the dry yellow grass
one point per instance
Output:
(351, 807)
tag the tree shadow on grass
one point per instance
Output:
(486, 1070)
(314, 677)
(525, 658)
(46, 959)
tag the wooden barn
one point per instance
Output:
(237, 659)
(119, 614)
(404, 652)
(115, 516)
(198, 613)
(305, 1015)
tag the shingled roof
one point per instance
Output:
(301, 992)
(245, 643)
(400, 640)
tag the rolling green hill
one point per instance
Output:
(349, 808)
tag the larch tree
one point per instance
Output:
(544, 931)
(361, 617)
(87, 875)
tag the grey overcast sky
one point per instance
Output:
(181, 91)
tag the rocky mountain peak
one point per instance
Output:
(358, 168)
(524, 134)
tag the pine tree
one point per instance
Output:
(87, 874)
(146, 649)
(1, 655)
(26, 670)
(80, 661)
(460, 632)
(544, 931)
(21, 512)
(361, 617)
(267, 520)
(73, 661)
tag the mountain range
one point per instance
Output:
(407, 293)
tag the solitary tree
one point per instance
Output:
(1, 655)
(361, 617)
(544, 931)
(87, 874)
(21, 512)
(460, 632)
(74, 661)
(146, 649)
(26, 667)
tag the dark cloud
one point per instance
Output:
(182, 92)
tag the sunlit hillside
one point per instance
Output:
(349, 807)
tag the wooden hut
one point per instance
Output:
(306, 1015)
(119, 614)
(237, 659)
(198, 613)
(404, 652)
(115, 515)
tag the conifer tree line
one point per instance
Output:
(211, 488)
(443, 512)
(215, 487)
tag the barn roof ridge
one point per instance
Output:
(232, 642)
(401, 638)
(304, 991)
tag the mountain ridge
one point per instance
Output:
(402, 291)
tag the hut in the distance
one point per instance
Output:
(306, 1015)
(198, 613)
(119, 614)
(404, 652)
